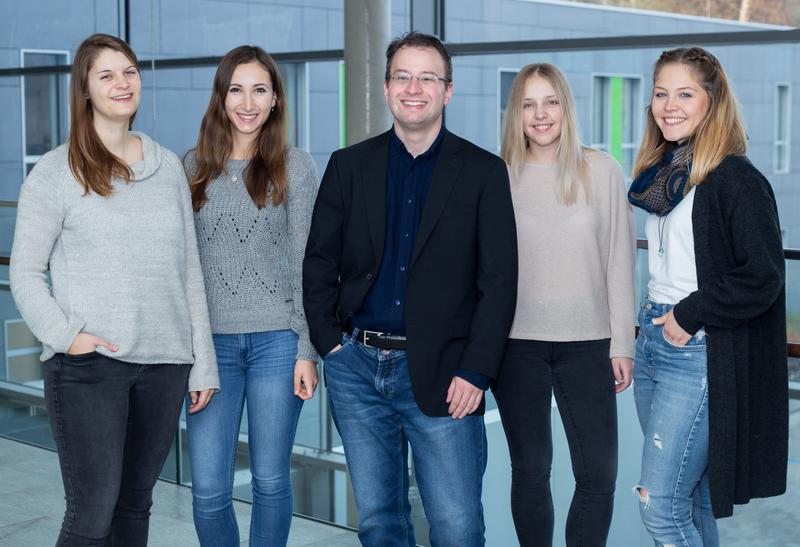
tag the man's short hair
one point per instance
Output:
(418, 39)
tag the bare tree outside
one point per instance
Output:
(776, 12)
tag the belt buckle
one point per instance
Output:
(371, 333)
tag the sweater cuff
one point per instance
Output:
(74, 327)
(682, 311)
(305, 350)
(477, 379)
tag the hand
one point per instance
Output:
(673, 333)
(200, 400)
(87, 343)
(623, 369)
(464, 398)
(334, 350)
(305, 378)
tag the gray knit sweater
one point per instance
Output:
(252, 259)
(123, 267)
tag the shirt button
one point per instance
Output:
(396, 302)
(370, 276)
(349, 314)
(402, 268)
(409, 202)
(405, 234)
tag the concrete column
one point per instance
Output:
(367, 32)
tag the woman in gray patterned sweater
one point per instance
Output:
(253, 197)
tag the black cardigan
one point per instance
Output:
(741, 303)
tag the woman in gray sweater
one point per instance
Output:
(253, 197)
(123, 321)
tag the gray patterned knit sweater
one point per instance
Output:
(252, 259)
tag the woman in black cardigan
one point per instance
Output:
(710, 380)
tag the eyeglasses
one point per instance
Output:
(425, 80)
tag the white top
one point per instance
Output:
(673, 273)
(576, 262)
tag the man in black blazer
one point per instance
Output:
(409, 283)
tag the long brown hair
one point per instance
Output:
(91, 163)
(265, 175)
(720, 134)
(573, 170)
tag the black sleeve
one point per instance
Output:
(497, 276)
(321, 264)
(747, 290)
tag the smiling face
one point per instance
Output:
(249, 99)
(417, 107)
(113, 87)
(679, 104)
(542, 114)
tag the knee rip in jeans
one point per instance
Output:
(657, 441)
(644, 495)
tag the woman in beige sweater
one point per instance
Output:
(573, 329)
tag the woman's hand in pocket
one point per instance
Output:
(87, 343)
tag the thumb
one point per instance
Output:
(660, 320)
(193, 395)
(108, 345)
(451, 390)
(298, 376)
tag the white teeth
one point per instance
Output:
(673, 121)
(414, 103)
(122, 97)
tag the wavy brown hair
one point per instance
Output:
(265, 175)
(92, 164)
(720, 134)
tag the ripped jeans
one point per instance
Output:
(671, 394)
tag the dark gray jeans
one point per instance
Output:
(113, 423)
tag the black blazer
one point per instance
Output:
(462, 278)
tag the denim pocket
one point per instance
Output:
(694, 343)
(80, 358)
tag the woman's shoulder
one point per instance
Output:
(298, 159)
(52, 167)
(300, 166)
(736, 174)
(603, 167)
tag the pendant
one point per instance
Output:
(234, 179)
(661, 252)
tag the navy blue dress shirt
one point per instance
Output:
(407, 185)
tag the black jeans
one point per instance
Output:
(113, 423)
(580, 375)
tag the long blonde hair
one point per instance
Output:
(571, 155)
(720, 134)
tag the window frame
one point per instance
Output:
(498, 99)
(638, 114)
(26, 158)
(786, 142)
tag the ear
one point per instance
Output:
(386, 90)
(448, 92)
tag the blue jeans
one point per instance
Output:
(374, 409)
(671, 393)
(257, 367)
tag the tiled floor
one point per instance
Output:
(32, 505)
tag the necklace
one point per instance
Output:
(232, 179)
(661, 222)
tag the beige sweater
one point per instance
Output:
(576, 262)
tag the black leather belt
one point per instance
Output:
(380, 340)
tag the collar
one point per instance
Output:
(398, 148)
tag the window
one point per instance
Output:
(505, 77)
(44, 105)
(295, 78)
(783, 107)
(616, 117)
